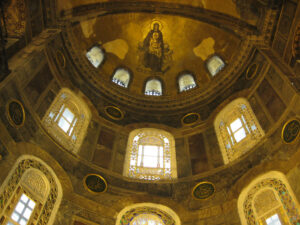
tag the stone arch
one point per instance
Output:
(272, 181)
(27, 165)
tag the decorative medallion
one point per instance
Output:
(15, 113)
(114, 112)
(60, 58)
(95, 183)
(190, 118)
(291, 131)
(203, 190)
(251, 71)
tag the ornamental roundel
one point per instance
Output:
(251, 71)
(95, 183)
(114, 112)
(190, 119)
(291, 131)
(15, 113)
(203, 190)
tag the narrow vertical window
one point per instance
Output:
(96, 56)
(214, 65)
(121, 77)
(153, 87)
(186, 82)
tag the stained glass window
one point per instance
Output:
(121, 78)
(186, 82)
(269, 200)
(214, 65)
(96, 56)
(150, 155)
(67, 120)
(153, 87)
(237, 129)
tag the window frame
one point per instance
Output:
(130, 73)
(104, 56)
(207, 62)
(161, 84)
(180, 76)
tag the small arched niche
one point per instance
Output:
(186, 82)
(153, 87)
(150, 155)
(95, 55)
(121, 77)
(214, 65)
(147, 213)
(237, 129)
(268, 200)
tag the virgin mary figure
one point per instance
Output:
(153, 47)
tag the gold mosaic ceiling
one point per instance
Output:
(190, 43)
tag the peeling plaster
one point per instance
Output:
(118, 47)
(205, 48)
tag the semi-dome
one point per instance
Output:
(149, 112)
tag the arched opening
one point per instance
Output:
(153, 87)
(186, 82)
(269, 200)
(150, 155)
(121, 77)
(237, 129)
(95, 56)
(214, 65)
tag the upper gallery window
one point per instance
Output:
(186, 82)
(237, 129)
(23, 210)
(121, 77)
(150, 155)
(153, 87)
(67, 119)
(96, 56)
(215, 64)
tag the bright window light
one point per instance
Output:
(273, 220)
(96, 56)
(23, 210)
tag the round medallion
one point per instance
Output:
(251, 71)
(291, 131)
(203, 190)
(95, 183)
(114, 112)
(15, 113)
(190, 119)
(60, 58)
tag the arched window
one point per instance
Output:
(121, 77)
(96, 56)
(186, 82)
(214, 65)
(153, 87)
(237, 129)
(150, 155)
(67, 120)
(147, 213)
(28, 192)
(268, 200)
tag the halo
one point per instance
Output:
(159, 23)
